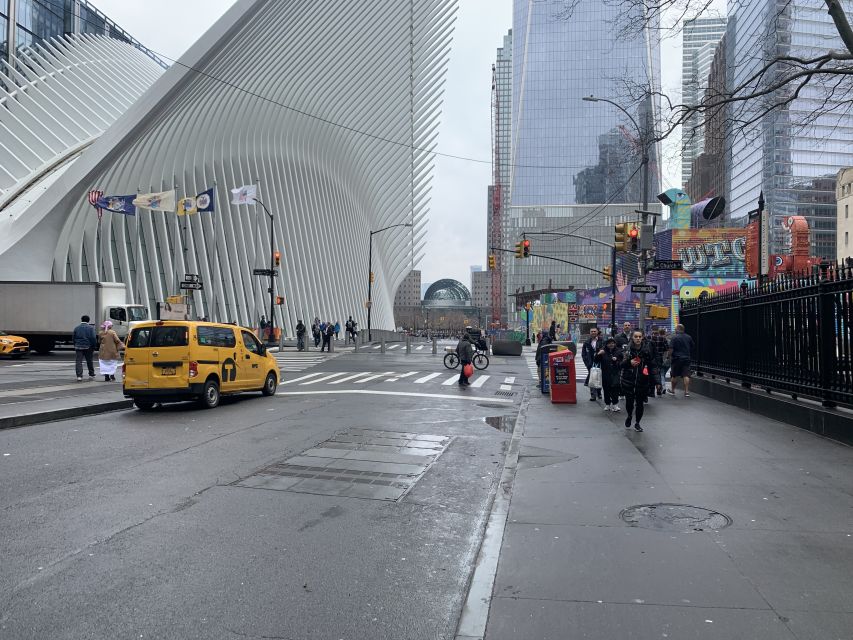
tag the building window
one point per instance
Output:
(846, 238)
(846, 210)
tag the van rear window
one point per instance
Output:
(158, 337)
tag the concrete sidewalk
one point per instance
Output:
(34, 401)
(571, 566)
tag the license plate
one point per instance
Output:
(168, 371)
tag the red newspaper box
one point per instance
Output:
(561, 369)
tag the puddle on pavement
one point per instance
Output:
(501, 423)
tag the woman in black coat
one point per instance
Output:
(609, 358)
(637, 365)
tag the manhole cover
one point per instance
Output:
(684, 518)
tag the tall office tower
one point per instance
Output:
(28, 22)
(791, 154)
(498, 191)
(566, 151)
(700, 38)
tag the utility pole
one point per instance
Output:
(370, 274)
(272, 272)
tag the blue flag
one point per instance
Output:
(204, 202)
(118, 204)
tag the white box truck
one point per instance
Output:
(45, 313)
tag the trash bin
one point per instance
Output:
(543, 350)
(563, 381)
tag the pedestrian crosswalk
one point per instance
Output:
(580, 368)
(295, 361)
(505, 384)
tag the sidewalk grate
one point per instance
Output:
(358, 463)
(505, 394)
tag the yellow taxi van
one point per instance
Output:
(174, 360)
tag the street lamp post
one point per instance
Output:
(370, 273)
(644, 143)
(272, 271)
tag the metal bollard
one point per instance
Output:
(355, 342)
(382, 342)
(331, 344)
(434, 346)
(408, 345)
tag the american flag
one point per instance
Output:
(94, 196)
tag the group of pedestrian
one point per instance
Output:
(106, 342)
(634, 366)
(323, 332)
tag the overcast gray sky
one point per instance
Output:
(457, 227)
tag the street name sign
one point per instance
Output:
(265, 272)
(668, 265)
(644, 288)
(192, 285)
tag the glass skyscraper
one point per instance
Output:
(566, 151)
(792, 154)
(24, 23)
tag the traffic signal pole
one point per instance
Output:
(370, 273)
(272, 271)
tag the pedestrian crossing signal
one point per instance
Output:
(279, 300)
(633, 239)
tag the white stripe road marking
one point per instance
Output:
(402, 375)
(450, 380)
(378, 346)
(427, 378)
(310, 375)
(328, 377)
(393, 346)
(506, 387)
(509, 380)
(381, 375)
(479, 381)
(352, 377)
(409, 394)
(419, 348)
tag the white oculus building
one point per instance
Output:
(330, 108)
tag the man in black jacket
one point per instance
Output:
(300, 336)
(588, 351)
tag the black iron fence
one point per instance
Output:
(791, 335)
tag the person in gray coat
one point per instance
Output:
(465, 351)
(85, 342)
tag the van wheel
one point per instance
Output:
(143, 405)
(210, 396)
(270, 384)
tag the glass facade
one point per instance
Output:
(793, 154)
(564, 150)
(37, 20)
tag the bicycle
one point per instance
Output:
(480, 360)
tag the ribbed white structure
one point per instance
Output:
(234, 111)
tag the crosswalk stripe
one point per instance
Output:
(479, 381)
(450, 380)
(419, 348)
(506, 387)
(509, 380)
(310, 375)
(393, 346)
(401, 376)
(427, 378)
(352, 377)
(368, 379)
(328, 377)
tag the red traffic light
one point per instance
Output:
(633, 232)
(527, 244)
(277, 258)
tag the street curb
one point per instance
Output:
(28, 419)
(475, 611)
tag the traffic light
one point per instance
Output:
(526, 248)
(276, 258)
(620, 239)
(634, 239)
(372, 278)
(492, 266)
(607, 274)
(519, 249)
(279, 299)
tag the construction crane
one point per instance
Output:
(496, 229)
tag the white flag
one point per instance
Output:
(163, 201)
(244, 195)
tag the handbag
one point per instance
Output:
(595, 378)
(468, 370)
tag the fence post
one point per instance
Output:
(408, 344)
(744, 343)
(826, 337)
(434, 345)
(699, 341)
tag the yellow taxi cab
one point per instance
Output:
(173, 360)
(14, 346)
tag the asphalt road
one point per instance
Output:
(134, 525)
